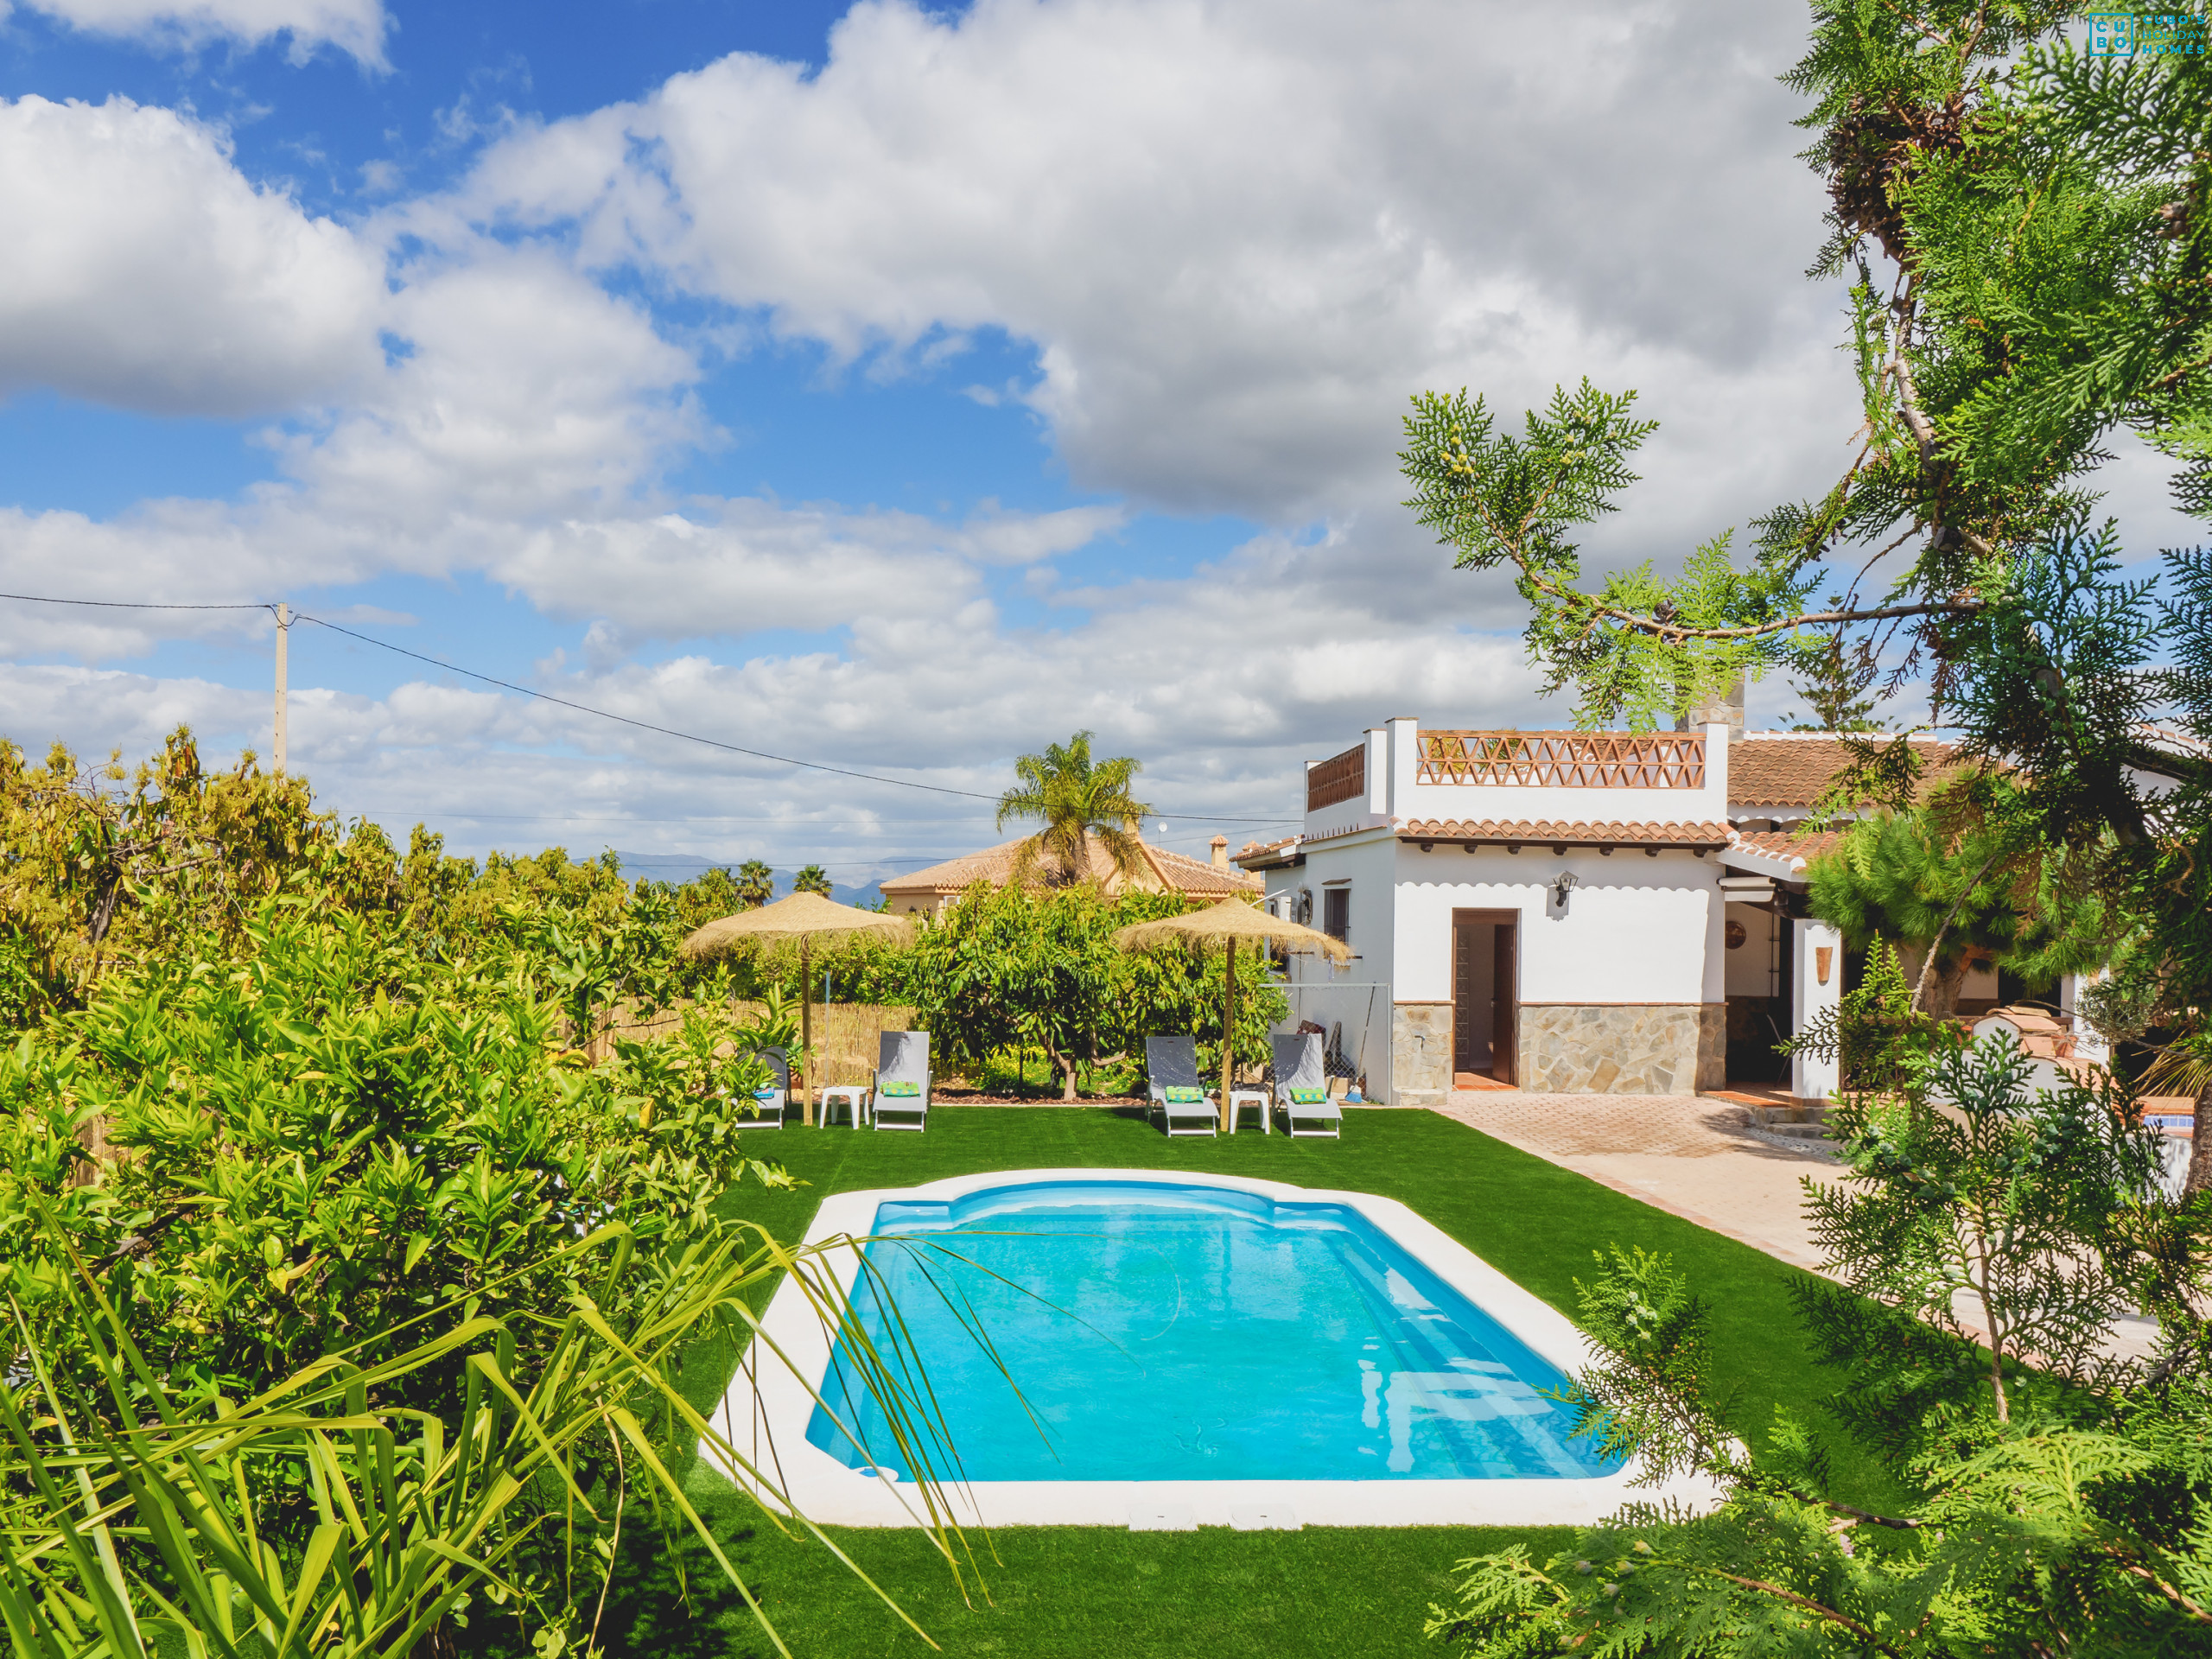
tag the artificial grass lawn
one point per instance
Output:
(1082, 1590)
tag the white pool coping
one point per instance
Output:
(766, 1419)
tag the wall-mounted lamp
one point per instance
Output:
(1563, 884)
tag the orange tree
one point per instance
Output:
(1012, 967)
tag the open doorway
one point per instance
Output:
(1485, 996)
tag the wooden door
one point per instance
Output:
(1504, 1022)
(1476, 934)
(1466, 979)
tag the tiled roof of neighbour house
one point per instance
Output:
(1197, 876)
(1171, 871)
(1785, 769)
(1790, 850)
(1576, 833)
(1265, 853)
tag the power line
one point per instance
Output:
(711, 742)
(129, 605)
(586, 708)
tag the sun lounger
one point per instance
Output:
(1171, 1065)
(902, 1081)
(1302, 1087)
(774, 1099)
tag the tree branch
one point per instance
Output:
(2158, 1584)
(1672, 631)
(1928, 966)
(1810, 1605)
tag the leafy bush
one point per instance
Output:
(326, 1139)
(1873, 1032)
(1010, 967)
(2057, 1498)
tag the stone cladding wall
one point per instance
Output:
(1667, 1048)
(1421, 1053)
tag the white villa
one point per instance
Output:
(1606, 913)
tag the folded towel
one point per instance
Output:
(900, 1090)
(765, 1093)
(1308, 1096)
(1181, 1096)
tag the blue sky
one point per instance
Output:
(903, 388)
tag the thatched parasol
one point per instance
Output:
(804, 918)
(1231, 921)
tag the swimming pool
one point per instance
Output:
(1157, 1331)
(1208, 1347)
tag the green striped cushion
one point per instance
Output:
(901, 1090)
(1180, 1097)
(1308, 1096)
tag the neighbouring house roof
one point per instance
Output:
(1783, 852)
(1170, 872)
(1267, 855)
(1576, 833)
(1785, 769)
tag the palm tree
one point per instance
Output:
(756, 884)
(812, 878)
(1077, 799)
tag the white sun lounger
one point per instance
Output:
(775, 1101)
(902, 1057)
(1173, 1063)
(1298, 1065)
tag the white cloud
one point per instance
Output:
(141, 269)
(355, 27)
(1236, 234)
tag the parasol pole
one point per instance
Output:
(1228, 1026)
(805, 1036)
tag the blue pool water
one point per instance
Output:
(1162, 1331)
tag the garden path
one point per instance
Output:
(1692, 1157)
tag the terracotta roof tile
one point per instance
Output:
(1798, 846)
(1779, 770)
(1265, 853)
(1577, 834)
(1198, 875)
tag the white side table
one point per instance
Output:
(1240, 1098)
(852, 1095)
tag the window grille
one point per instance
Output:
(1335, 912)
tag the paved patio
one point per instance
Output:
(1691, 1156)
(1694, 1157)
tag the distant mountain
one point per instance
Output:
(679, 867)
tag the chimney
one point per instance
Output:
(1714, 708)
(1221, 852)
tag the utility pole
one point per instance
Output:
(283, 638)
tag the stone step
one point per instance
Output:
(1774, 1117)
(1799, 1131)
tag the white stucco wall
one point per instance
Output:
(1634, 929)
(1349, 994)
(1754, 969)
(1814, 1079)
